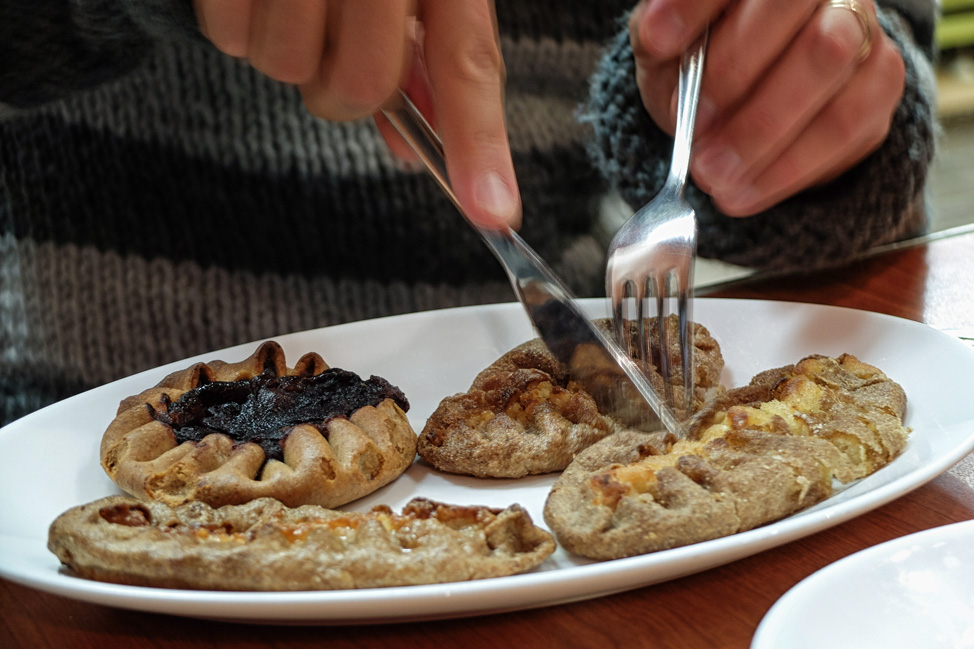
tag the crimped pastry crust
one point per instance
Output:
(755, 455)
(357, 455)
(266, 546)
(524, 414)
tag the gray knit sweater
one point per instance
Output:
(159, 199)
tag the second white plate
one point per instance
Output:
(914, 591)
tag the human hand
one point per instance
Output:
(349, 57)
(789, 100)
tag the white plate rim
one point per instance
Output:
(521, 591)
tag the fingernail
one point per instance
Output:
(496, 198)
(663, 28)
(719, 165)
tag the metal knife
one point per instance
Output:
(592, 356)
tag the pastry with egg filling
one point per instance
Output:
(226, 433)
(755, 455)
(265, 546)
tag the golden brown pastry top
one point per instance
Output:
(263, 545)
(360, 447)
(756, 454)
(525, 414)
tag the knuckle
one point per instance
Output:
(357, 94)
(727, 78)
(868, 117)
(787, 170)
(765, 122)
(845, 125)
(892, 64)
(836, 45)
(285, 67)
(478, 62)
(489, 141)
(876, 139)
(858, 127)
(231, 45)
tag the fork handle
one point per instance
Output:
(691, 74)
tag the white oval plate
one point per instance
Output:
(914, 591)
(51, 456)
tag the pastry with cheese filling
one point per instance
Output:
(265, 546)
(756, 454)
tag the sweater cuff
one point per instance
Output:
(921, 15)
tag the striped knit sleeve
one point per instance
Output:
(52, 48)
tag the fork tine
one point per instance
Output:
(621, 298)
(657, 290)
(650, 343)
(669, 287)
(684, 305)
(642, 338)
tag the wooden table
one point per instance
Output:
(720, 608)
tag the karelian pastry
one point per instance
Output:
(259, 431)
(757, 454)
(525, 414)
(265, 546)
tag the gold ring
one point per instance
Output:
(867, 32)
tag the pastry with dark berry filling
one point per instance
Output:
(226, 433)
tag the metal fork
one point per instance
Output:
(652, 255)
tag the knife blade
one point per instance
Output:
(593, 357)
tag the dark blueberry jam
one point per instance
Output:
(265, 408)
